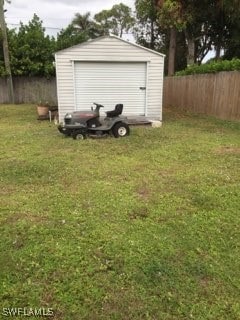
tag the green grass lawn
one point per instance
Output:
(144, 227)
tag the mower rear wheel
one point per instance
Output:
(120, 130)
(79, 135)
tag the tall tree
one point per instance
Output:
(229, 39)
(169, 17)
(154, 35)
(147, 30)
(118, 20)
(194, 19)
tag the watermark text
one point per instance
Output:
(27, 312)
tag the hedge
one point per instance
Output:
(211, 67)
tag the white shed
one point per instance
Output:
(109, 70)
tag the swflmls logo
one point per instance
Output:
(27, 312)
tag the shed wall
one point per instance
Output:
(109, 49)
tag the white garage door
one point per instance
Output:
(109, 83)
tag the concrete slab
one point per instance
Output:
(156, 124)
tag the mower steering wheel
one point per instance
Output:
(98, 105)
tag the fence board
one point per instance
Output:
(3, 91)
(212, 94)
(30, 90)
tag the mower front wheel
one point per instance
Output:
(79, 135)
(120, 129)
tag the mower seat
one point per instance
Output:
(116, 112)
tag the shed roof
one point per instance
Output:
(116, 37)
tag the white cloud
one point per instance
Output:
(55, 13)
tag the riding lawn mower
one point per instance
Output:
(82, 124)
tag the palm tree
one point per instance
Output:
(82, 21)
(85, 25)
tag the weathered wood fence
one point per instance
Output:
(212, 94)
(30, 90)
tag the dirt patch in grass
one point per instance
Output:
(143, 193)
(47, 297)
(227, 150)
(173, 113)
(7, 190)
(122, 303)
(28, 216)
(139, 213)
(205, 281)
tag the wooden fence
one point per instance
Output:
(30, 90)
(212, 94)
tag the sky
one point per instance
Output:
(55, 14)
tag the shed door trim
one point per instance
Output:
(105, 60)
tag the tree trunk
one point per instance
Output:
(172, 51)
(152, 40)
(6, 53)
(191, 48)
(217, 51)
(152, 36)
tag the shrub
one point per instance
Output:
(211, 67)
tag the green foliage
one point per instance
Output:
(117, 20)
(31, 51)
(145, 227)
(85, 25)
(103, 19)
(202, 26)
(147, 30)
(170, 14)
(81, 29)
(211, 67)
(2, 69)
(11, 37)
(207, 25)
(150, 33)
(69, 37)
